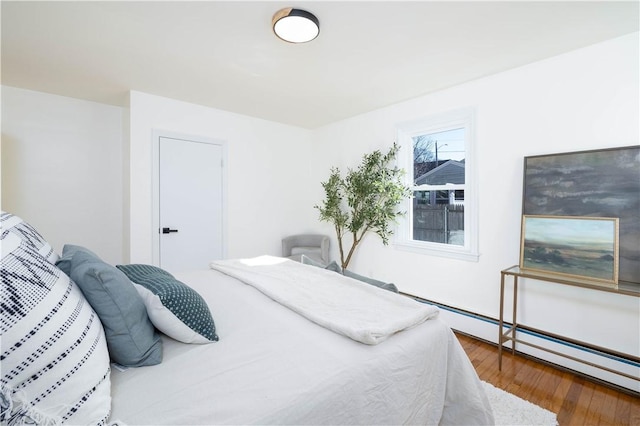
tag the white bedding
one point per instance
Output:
(273, 366)
(347, 306)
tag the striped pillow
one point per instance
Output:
(10, 223)
(55, 362)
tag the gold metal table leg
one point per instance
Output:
(513, 318)
(500, 322)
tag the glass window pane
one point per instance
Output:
(439, 159)
(440, 223)
(432, 151)
(422, 197)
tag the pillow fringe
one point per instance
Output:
(16, 410)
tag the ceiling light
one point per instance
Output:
(295, 25)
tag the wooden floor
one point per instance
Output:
(575, 400)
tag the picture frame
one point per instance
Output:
(575, 247)
(594, 183)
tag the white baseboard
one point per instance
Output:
(487, 329)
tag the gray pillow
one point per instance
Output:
(64, 262)
(131, 338)
(387, 286)
(306, 260)
(333, 266)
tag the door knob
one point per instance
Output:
(168, 230)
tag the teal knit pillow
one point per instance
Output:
(139, 271)
(173, 307)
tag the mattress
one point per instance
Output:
(274, 366)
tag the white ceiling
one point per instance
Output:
(223, 54)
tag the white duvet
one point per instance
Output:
(273, 366)
(341, 304)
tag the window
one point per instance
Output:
(437, 153)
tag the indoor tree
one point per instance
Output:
(364, 200)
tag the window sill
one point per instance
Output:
(452, 252)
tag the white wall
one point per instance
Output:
(267, 169)
(81, 171)
(62, 169)
(586, 99)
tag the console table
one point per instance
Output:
(629, 289)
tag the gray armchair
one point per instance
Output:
(312, 245)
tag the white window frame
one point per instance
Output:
(405, 131)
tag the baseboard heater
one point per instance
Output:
(593, 362)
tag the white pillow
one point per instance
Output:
(55, 363)
(15, 225)
(165, 320)
(173, 307)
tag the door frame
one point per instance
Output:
(155, 184)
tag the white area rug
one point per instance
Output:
(508, 409)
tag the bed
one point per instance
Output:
(265, 361)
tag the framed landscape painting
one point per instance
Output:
(582, 248)
(596, 183)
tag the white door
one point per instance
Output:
(190, 204)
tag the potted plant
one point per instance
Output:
(364, 200)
